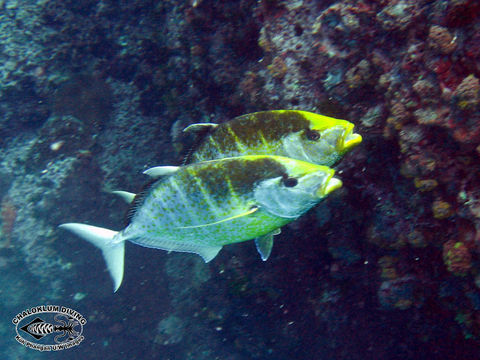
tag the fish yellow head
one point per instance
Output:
(325, 141)
(301, 187)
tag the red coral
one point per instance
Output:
(440, 39)
(461, 12)
(467, 232)
(468, 93)
(457, 257)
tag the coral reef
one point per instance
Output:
(86, 97)
(440, 39)
(398, 293)
(8, 215)
(467, 93)
(457, 257)
(94, 92)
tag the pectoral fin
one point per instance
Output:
(158, 171)
(251, 211)
(265, 243)
(200, 127)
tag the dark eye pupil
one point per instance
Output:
(290, 182)
(313, 135)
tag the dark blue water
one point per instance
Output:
(93, 92)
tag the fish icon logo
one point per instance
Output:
(49, 328)
(38, 328)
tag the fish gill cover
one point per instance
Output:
(391, 259)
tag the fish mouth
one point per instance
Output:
(352, 140)
(329, 186)
(349, 139)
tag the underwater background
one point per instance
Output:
(93, 92)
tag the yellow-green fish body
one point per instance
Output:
(296, 134)
(201, 207)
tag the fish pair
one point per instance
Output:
(247, 178)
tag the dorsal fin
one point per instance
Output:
(200, 127)
(138, 200)
(128, 197)
(200, 135)
(157, 171)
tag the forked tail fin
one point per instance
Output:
(113, 252)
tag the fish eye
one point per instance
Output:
(289, 181)
(312, 135)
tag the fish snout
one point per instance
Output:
(332, 185)
(327, 186)
(349, 139)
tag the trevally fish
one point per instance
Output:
(201, 207)
(296, 134)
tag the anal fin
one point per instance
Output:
(208, 253)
